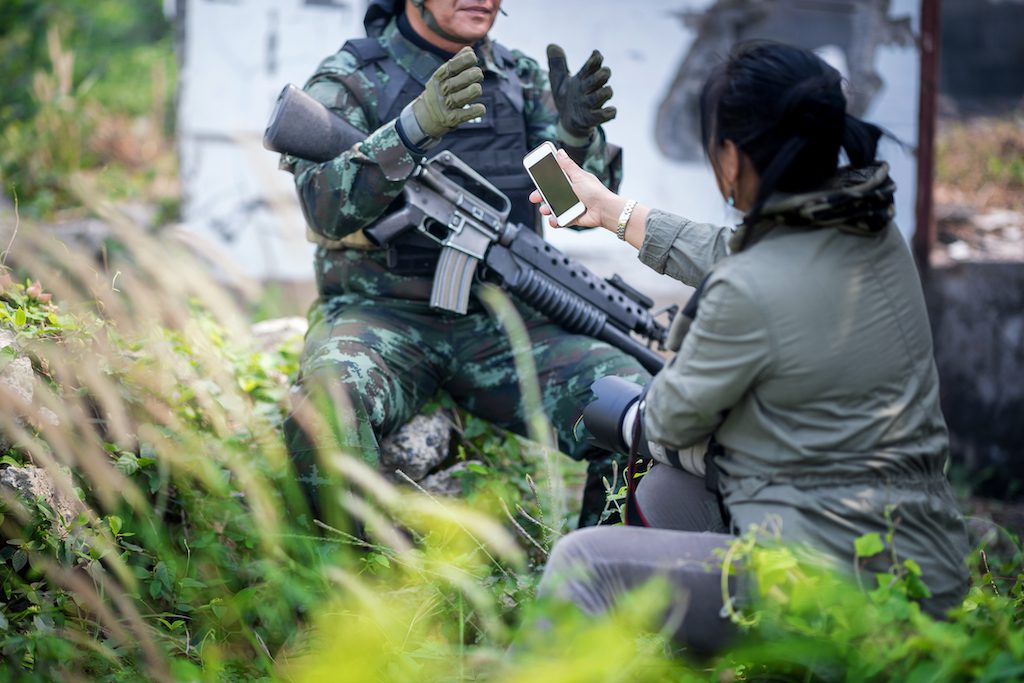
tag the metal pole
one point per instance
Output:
(924, 234)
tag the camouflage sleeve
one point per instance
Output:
(347, 193)
(542, 121)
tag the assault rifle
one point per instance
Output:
(453, 205)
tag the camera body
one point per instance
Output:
(615, 421)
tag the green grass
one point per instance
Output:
(192, 555)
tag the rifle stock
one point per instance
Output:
(443, 201)
(304, 128)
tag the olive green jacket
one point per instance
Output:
(810, 361)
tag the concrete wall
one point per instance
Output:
(237, 54)
(981, 64)
(235, 57)
(977, 314)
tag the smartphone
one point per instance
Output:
(553, 184)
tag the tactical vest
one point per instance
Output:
(494, 146)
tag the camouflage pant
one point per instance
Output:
(391, 356)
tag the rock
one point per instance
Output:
(84, 236)
(16, 378)
(959, 251)
(19, 378)
(417, 447)
(446, 482)
(998, 220)
(270, 335)
(954, 213)
(34, 482)
(17, 392)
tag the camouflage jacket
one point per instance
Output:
(341, 196)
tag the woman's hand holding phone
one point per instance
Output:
(602, 205)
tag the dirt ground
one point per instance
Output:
(979, 188)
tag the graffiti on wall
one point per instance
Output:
(853, 30)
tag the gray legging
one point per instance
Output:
(592, 567)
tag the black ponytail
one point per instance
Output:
(785, 109)
(860, 141)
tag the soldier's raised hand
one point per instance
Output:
(442, 106)
(580, 99)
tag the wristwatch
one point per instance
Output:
(627, 211)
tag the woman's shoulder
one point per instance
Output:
(789, 258)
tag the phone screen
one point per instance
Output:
(553, 184)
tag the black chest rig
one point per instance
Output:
(494, 145)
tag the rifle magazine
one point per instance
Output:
(453, 281)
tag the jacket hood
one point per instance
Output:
(856, 200)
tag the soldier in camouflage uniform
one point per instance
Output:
(372, 332)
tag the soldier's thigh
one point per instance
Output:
(388, 358)
(566, 365)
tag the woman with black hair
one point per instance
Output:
(809, 360)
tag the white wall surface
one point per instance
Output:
(239, 54)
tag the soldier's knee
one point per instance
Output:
(351, 389)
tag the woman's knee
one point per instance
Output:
(674, 499)
(575, 549)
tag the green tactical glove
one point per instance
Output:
(442, 105)
(580, 99)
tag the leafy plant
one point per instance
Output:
(76, 101)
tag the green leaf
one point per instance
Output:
(163, 575)
(476, 467)
(916, 587)
(115, 524)
(19, 560)
(19, 317)
(127, 464)
(474, 428)
(382, 560)
(868, 545)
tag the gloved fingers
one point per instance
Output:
(463, 59)
(590, 66)
(558, 69)
(473, 111)
(462, 80)
(598, 79)
(462, 97)
(604, 115)
(596, 99)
